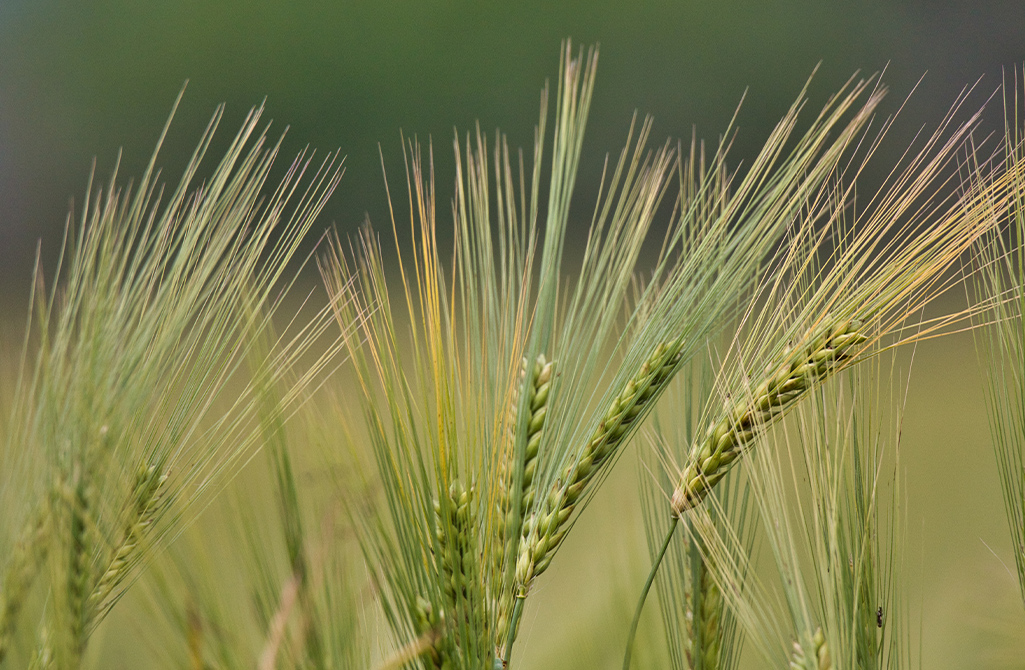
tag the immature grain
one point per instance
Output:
(816, 657)
(544, 530)
(454, 551)
(22, 567)
(428, 626)
(455, 546)
(783, 386)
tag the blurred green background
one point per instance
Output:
(78, 80)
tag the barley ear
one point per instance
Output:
(707, 641)
(428, 626)
(455, 551)
(538, 387)
(783, 386)
(145, 503)
(22, 567)
(79, 568)
(814, 655)
(544, 530)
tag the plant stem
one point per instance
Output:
(644, 593)
(513, 622)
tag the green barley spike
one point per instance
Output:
(455, 550)
(708, 645)
(703, 618)
(544, 530)
(146, 501)
(79, 569)
(784, 385)
(427, 624)
(538, 388)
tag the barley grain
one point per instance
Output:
(455, 551)
(707, 645)
(816, 657)
(428, 626)
(79, 569)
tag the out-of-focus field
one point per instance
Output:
(964, 606)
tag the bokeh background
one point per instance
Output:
(78, 80)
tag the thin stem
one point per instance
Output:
(644, 593)
(513, 622)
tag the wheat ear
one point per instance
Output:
(29, 553)
(544, 530)
(784, 385)
(538, 388)
(815, 658)
(145, 502)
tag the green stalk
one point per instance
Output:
(630, 638)
(513, 622)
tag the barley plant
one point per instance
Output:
(466, 431)
(1002, 259)
(827, 491)
(852, 281)
(283, 591)
(132, 401)
(494, 419)
(700, 630)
